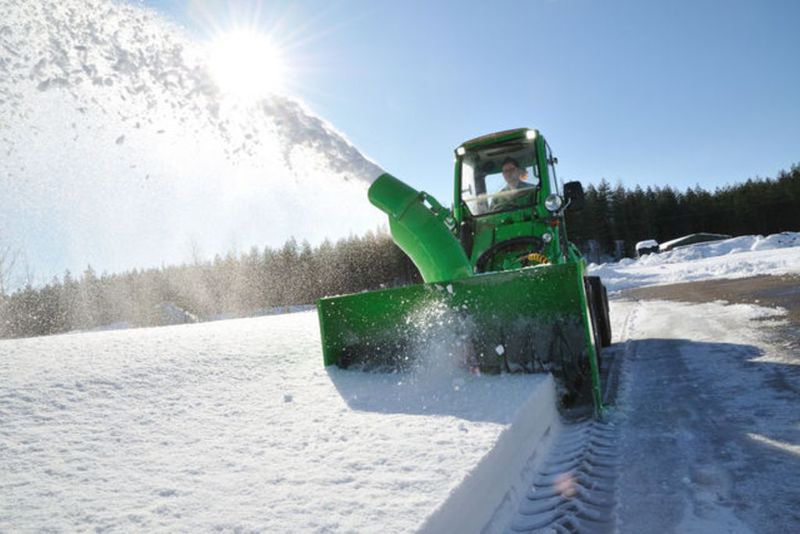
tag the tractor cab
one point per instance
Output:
(508, 204)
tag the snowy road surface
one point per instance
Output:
(710, 415)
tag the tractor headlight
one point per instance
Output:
(553, 203)
(547, 237)
(461, 151)
(530, 135)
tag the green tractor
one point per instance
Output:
(504, 291)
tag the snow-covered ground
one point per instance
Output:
(738, 257)
(236, 425)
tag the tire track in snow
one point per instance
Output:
(575, 490)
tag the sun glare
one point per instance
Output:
(246, 65)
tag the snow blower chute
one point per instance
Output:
(504, 288)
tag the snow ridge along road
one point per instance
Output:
(236, 425)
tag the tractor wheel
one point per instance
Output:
(527, 244)
(597, 298)
(573, 373)
(606, 339)
(592, 298)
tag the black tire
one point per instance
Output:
(572, 372)
(597, 297)
(606, 338)
(592, 299)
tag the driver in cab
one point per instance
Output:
(515, 178)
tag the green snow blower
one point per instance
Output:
(504, 291)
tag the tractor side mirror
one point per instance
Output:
(573, 194)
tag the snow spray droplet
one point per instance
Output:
(441, 345)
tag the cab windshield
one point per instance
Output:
(486, 189)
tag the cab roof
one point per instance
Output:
(496, 137)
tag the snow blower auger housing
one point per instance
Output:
(504, 289)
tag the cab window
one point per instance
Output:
(484, 189)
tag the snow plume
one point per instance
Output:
(440, 342)
(119, 150)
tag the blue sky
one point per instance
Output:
(651, 93)
(646, 93)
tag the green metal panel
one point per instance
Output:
(458, 208)
(538, 316)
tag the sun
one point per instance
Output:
(247, 65)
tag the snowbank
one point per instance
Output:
(494, 486)
(738, 257)
(236, 425)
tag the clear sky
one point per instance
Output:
(679, 92)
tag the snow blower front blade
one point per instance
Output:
(531, 320)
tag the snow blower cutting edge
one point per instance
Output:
(504, 291)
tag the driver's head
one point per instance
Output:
(512, 172)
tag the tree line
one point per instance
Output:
(260, 281)
(758, 206)
(267, 280)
